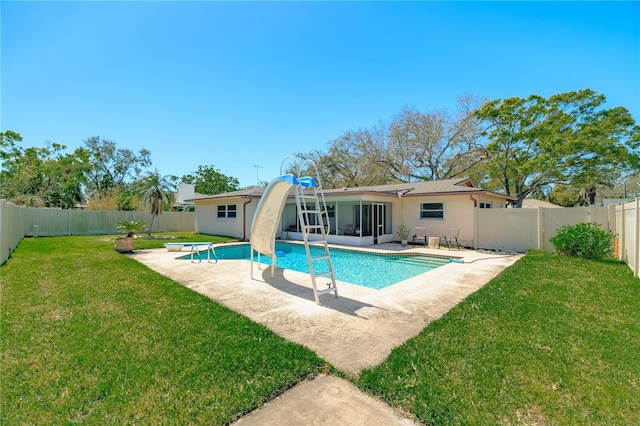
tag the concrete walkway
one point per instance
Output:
(354, 331)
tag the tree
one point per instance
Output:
(568, 138)
(208, 180)
(111, 167)
(40, 177)
(564, 196)
(353, 159)
(157, 193)
(436, 145)
(8, 144)
(412, 146)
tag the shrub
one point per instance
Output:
(131, 227)
(584, 240)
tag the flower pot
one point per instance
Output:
(404, 243)
(124, 244)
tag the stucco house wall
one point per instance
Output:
(208, 222)
(458, 213)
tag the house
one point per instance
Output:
(532, 203)
(184, 195)
(361, 216)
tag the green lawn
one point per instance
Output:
(552, 340)
(91, 336)
(158, 239)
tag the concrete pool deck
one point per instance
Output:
(354, 331)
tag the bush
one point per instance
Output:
(584, 240)
(131, 227)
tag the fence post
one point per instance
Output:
(621, 240)
(611, 218)
(637, 240)
(540, 228)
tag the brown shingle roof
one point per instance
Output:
(409, 189)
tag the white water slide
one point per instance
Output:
(311, 208)
(267, 218)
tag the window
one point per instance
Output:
(331, 211)
(431, 210)
(227, 211)
(485, 204)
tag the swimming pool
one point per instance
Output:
(370, 270)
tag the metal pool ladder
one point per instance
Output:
(312, 211)
(196, 253)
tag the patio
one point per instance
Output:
(354, 331)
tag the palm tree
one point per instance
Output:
(156, 192)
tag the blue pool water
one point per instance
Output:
(371, 270)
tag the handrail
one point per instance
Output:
(311, 165)
(195, 250)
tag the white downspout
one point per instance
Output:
(475, 221)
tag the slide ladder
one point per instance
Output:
(314, 219)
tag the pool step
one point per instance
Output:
(421, 261)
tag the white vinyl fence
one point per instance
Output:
(628, 219)
(520, 230)
(19, 222)
(11, 229)
(498, 229)
(523, 229)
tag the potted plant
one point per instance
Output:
(403, 232)
(125, 244)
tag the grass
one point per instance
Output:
(551, 340)
(91, 336)
(158, 239)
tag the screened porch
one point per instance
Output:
(354, 223)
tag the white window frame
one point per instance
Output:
(227, 212)
(421, 210)
(485, 205)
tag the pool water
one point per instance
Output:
(370, 270)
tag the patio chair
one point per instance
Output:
(350, 230)
(420, 235)
(449, 239)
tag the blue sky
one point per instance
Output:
(238, 84)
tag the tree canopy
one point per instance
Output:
(569, 143)
(111, 167)
(568, 138)
(412, 146)
(98, 174)
(434, 145)
(208, 180)
(40, 177)
(520, 147)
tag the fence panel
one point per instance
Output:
(507, 229)
(628, 231)
(554, 219)
(603, 216)
(45, 222)
(11, 229)
(524, 229)
(112, 218)
(86, 222)
(170, 221)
